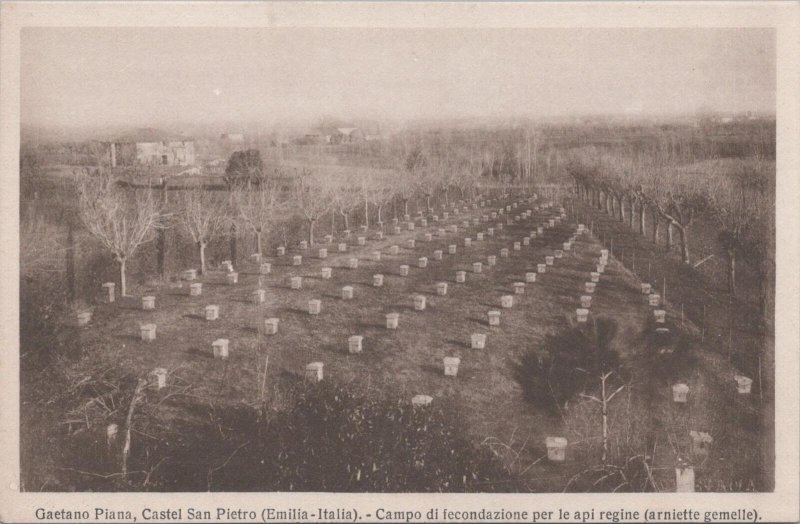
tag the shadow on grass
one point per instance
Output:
(197, 352)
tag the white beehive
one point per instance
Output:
(220, 348)
(451, 366)
(556, 449)
(419, 302)
(148, 332)
(148, 302)
(377, 280)
(582, 314)
(392, 320)
(108, 287)
(296, 282)
(354, 343)
(314, 372)
(314, 306)
(478, 341)
(743, 384)
(461, 276)
(265, 268)
(212, 312)
(271, 326)
(680, 392)
(530, 277)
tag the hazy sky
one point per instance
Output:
(140, 76)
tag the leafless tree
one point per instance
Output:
(313, 195)
(258, 207)
(203, 215)
(121, 220)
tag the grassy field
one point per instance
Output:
(408, 361)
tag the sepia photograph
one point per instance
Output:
(397, 259)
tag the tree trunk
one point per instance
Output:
(202, 257)
(70, 263)
(161, 248)
(633, 214)
(379, 213)
(346, 220)
(310, 232)
(428, 203)
(670, 232)
(641, 219)
(233, 244)
(605, 420)
(333, 222)
(609, 205)
(622, 209)
(656, 225)
(405, 206)
(446, 200)
(732, 271)
(123, 288)
(366, 213)
(684, 243)
(258, 242)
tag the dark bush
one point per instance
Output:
(328, 438)
(568, 363)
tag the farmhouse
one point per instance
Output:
(149, 147)
(334, 135)
(232, 138)
(346, 135)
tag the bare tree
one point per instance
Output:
(121, 220)
(204, 215)
(258, 207)
(739, 210)
(314, 197)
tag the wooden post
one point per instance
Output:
(70, 262)
(703, 332)
(128, 422)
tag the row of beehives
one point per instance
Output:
(269, 325)
(700, 441)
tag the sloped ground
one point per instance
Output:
(407, 361)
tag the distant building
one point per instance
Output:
(334, 135)
(346, 135)
(232, 138)
(151, 148)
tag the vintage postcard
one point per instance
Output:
(399, 262)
